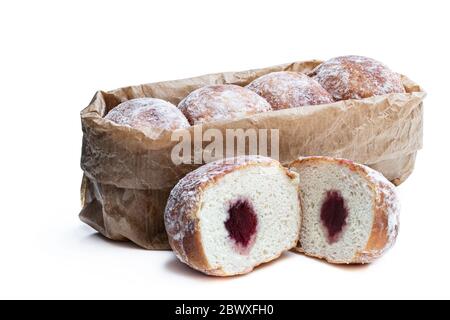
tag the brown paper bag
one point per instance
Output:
(128, 174)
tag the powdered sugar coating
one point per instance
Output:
(221, 102)
(356, 77)
(145, 113)
(180, 216)
(286, 89)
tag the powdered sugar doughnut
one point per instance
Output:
(350, 211)
(355, 77)
(148, 113)
(229, 216)
(287, 89)
(221, 102)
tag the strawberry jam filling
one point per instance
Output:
(333, 215)
(242, 223)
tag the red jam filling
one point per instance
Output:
(333, 215)
(242, 223)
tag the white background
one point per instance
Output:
(54, 55)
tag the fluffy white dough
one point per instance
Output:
(275, 201)
(350, 212)
(316, 182)
(227, 217)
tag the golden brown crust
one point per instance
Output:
(221, 102)
(384, 231)
(356, 77)
(288, 89)
(181, 216)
